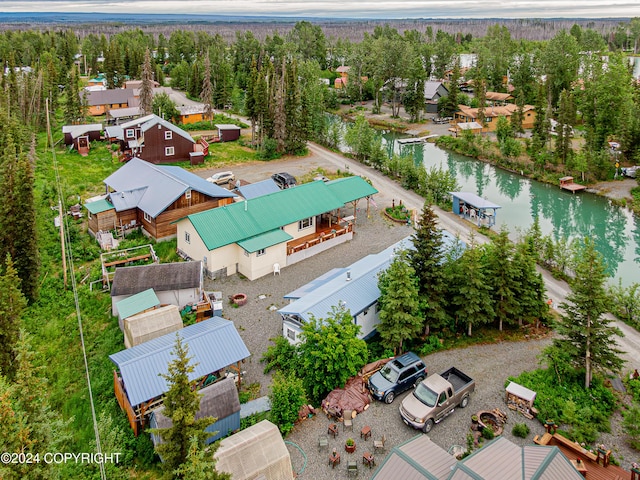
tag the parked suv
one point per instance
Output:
(284, 180)
(396, 376)
(221, 178)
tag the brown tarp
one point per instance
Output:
(354, 395)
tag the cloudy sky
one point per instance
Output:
(342, 8)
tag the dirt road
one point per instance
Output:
(390, 190)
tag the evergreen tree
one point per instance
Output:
(502, 276)
(181, 403)
(399, 302)
(286, 396)
(586, 334)
(566, 120)
(528, 286)
(206, 95)
(72, 106)
(330, 352)
(198, 465)
(12, 304)
(146, 90)
(426, 259)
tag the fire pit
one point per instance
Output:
(491, 420)
(239, 299)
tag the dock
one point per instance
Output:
(566, 183)
(414, 140)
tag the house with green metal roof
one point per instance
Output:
(258, 236)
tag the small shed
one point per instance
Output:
(228, 132)
(474, 208)
(152, 324)
(138, 303)
(219, 400)
(520, 398)
(257, 452)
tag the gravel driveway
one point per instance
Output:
(489, 365)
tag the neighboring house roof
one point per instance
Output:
(358, 293)
(474, 200)
(78, 130)
(109, 97)
(152, 188)
(149, 121)
(253, 190)
(493, 111)
(434, 90)
(498, 97)
(255, 453)
(227, 126)
(243, 220)
(99, 206)
(348, 189)
(114, 131)
(500, 459)
(137, 303)
(191, 109)
(159, 276)
(213, 345)
(125, 112)
(468, 126)
(343, 69)
(315, 283)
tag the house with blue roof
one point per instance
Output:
(141, 194)
(259, 235)
(354, 288)
(214, 346)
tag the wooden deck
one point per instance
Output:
(594, 470)
(566, 183)
(323, 233)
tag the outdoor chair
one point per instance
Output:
(347, 420)
(379, 444)
(276, 269)
(352, 467)
(323, 442)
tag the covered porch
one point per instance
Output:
(474, 208)
(328, 227)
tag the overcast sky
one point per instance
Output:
(341, 8)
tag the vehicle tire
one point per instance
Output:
(389, 397)
(417, 382)
(464, 402)
(428, 426)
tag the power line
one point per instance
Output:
(74, 287)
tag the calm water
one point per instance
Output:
(615, 230)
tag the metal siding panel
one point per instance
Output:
(213, 344)
(223, 426)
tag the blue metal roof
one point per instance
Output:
(258, 189)
(474, 200)
(137, 303)
(213, 345)
(162, 185)
(315, 283)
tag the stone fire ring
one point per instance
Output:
(490, 420)
(239, 299)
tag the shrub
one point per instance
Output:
(286, 396)
(488, 433)
(520, 430)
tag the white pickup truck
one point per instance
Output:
(436, 397)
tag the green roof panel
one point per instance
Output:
(137, 303)
(348, 189)
(264, 240)
(98, 206)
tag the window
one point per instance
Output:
(260, 252)
(489, 119)
(187, 237)
(147, 217)
(306, 223)
(187, 194)
(168, 135)
(291, 334)
(168, 151)
(131, 133)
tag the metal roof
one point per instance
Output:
(227, 126)
(127, 199)
(77, 130)
(431, 89)
(114, 131)
(212, 345)
(242, 220)
(357, 294)
(162, 184)
(258, 189)
(348, 189)
(315, 283)
(98, 206)
(474, 200)
(124, 112)
(137, 303)
(265, 240)
(110, 96)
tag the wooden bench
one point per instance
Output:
(576, 447)
(546, 438)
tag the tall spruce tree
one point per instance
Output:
(12, 304)
(586, 334)
(503, 276)
(426, 258)
(206, 95)
(399, 302)
(146, 89)
(181, 403)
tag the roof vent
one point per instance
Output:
(348, 275)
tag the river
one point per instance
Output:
(615, 230)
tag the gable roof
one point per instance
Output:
(78, 130)
(253, 190)
(137, 303)
(243, 220)
(213, 345)
(498, 97)
(149, 121)
(159, 276)
(433, 88)
(152, 188)
(110, 96)
(493, 111)
(348, 189)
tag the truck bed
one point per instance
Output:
(456, 378)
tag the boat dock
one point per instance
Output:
(414, 140)
(566, 183)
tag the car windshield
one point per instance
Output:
(389, 374)
(426, 395)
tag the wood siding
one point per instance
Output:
(105, 221)
(155, 143)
